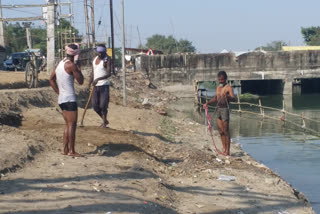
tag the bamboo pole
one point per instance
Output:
(303, 121)
(200, 101)
(274, 118)
(260, 107)
(206, 96)
(271, 108)
(239, 104)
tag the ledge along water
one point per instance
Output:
(288, 150)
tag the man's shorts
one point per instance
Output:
(223, 114)
(69, 106)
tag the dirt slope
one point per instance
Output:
(143, 163)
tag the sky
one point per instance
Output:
(211, 25)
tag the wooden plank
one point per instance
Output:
(30, 5)
(22, 19)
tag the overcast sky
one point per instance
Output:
(211, 25)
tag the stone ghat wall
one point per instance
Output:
(187, 67)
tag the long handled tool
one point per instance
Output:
(85, 109)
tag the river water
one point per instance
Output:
(285, 148)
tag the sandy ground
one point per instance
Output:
(143, 163)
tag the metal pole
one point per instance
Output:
(50, 37)
(1, 29)
(92, 24)
(123, 58)
(112, 38)
(87, 22)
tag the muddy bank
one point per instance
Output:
(143, 163)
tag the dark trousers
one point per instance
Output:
(100, 99)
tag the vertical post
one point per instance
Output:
(87, 22)
(29, 42)
(206, 96)
(27, 26)
(260, 107)
(206, 121)
(2, 43)
(112, 38)
(61, 44)
(107, 43)
(50, 37)
(92, 24)
(283, 118)
(140, 44)
(123, 58)
(200, 99)
(239, 101)
(195, 84)
(303, 121)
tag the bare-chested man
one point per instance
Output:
(62, 82)
(224, 94)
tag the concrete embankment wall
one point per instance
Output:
(184, 68)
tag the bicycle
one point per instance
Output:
(33, 68)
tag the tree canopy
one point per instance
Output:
(273, 46)
(169, 44)
(311, 35)
(15, 36)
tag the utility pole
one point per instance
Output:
(92, 25)
(72, 21)
(112, 38)
(123, 57)
(140, 44)
(87, 22)
(107, 43)
(27, 26)
(50, 36)
(1, 28)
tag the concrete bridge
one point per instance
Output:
(284, 72)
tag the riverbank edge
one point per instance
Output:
(179, 91)
(255, 163)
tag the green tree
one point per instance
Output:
(15, 37)
(311, 35)
(16, 41)
(169, 44)
(273, 46)
(118, 57)
(38, 37)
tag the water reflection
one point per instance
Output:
(286, 149)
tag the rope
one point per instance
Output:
(208, 118)
(282, 119)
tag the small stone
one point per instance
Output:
(96, 189)
(97, 184)
(199, 205)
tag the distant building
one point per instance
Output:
(300, 48)
(133, 56)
